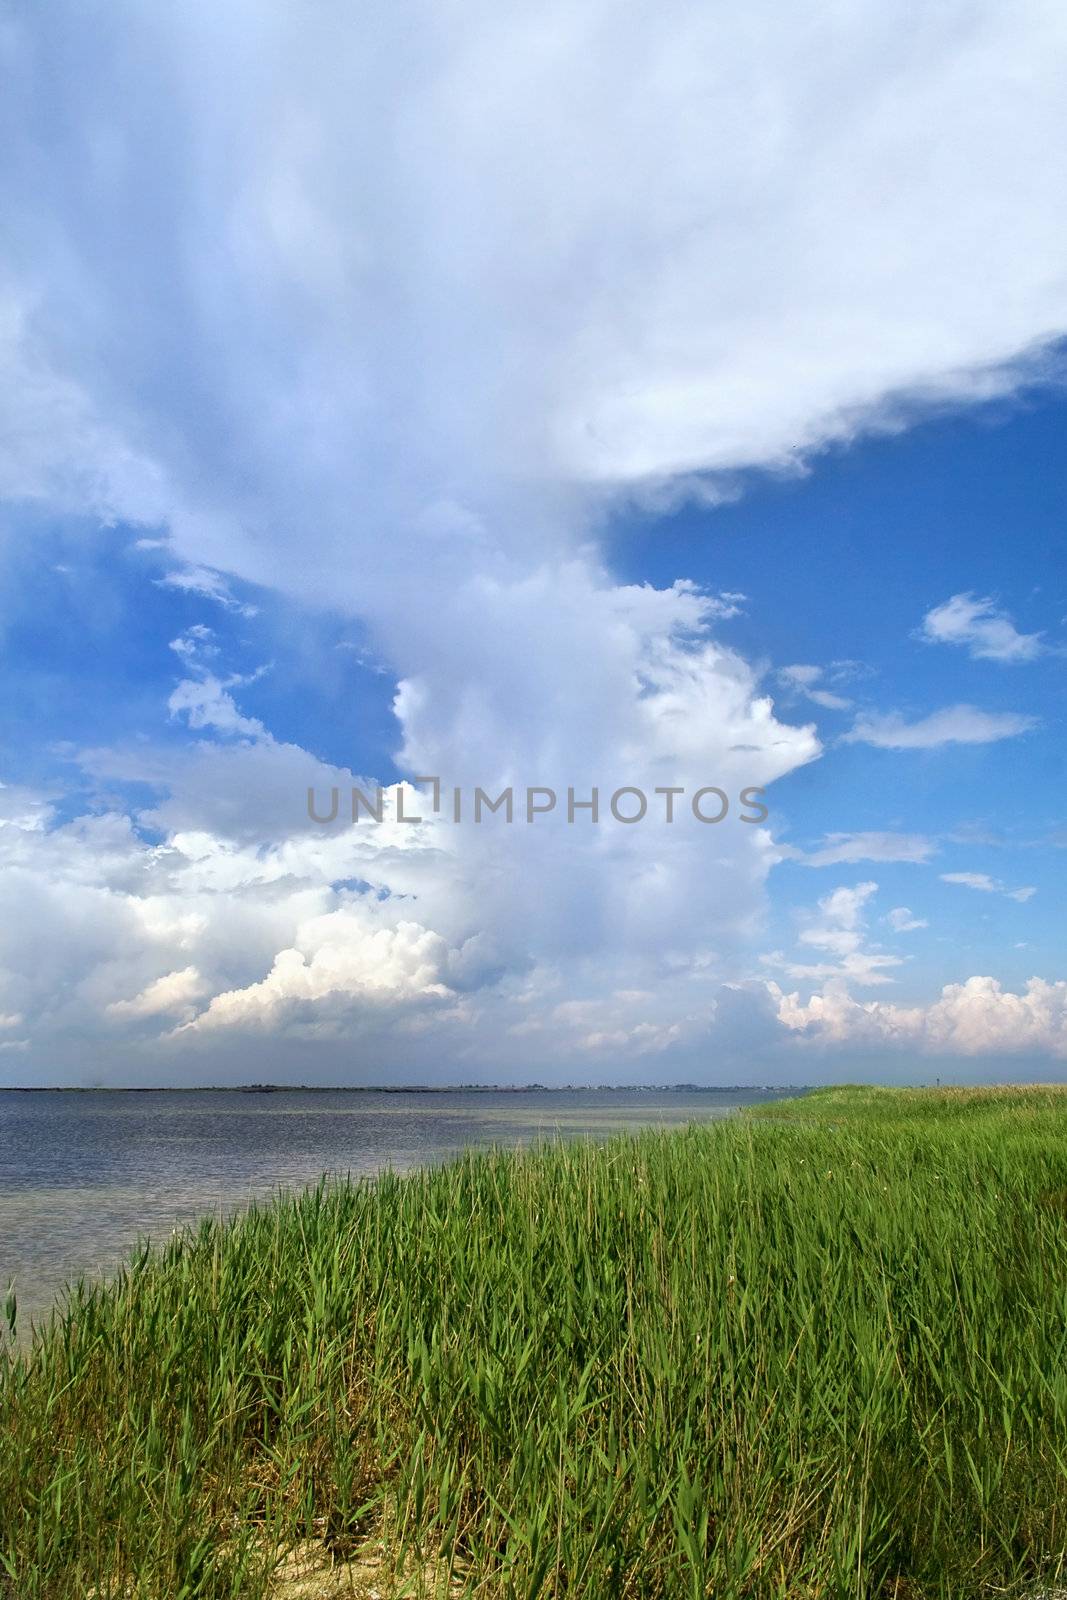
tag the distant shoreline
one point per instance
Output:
(405, 1088)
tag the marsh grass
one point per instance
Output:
(820, 1353)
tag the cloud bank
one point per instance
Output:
(976, 1018)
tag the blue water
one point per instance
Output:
(85, 1175)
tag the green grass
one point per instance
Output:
(816, 1352)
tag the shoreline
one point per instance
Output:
(408, 1088)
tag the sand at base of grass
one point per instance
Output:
(310, 1573)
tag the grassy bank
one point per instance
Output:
(821, 1352)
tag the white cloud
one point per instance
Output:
(982, 627)
(623, 278)
(204, 700)
(975, 1018)
(24, 809)
(100, 928)
(340, 957)
(205, 703)
(842, 908)
(838, 849)
(174, 992)
(647, 1038)
(704, 290)
(838, 927)
(901, 920)
(722, 607)
(988, 885)
(201, 581)
(953, 725)
(809, 683)
(247, 920)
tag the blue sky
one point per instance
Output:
(355, 437)
(844, 563)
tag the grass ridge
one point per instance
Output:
(820, 1350)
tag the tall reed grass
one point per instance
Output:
(821, 1353)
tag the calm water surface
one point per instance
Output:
(83, 1176)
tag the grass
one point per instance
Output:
(820, 1351)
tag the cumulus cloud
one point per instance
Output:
(976, 1018)
(221, 911)
(339, 957)
(107, 926)
(987, 885)
(174, 992)
(207, 939)
(953, 725)
(986, 631)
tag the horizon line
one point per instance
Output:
(389, 1088)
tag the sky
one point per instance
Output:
(544, 398)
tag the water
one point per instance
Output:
(84, 1175)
